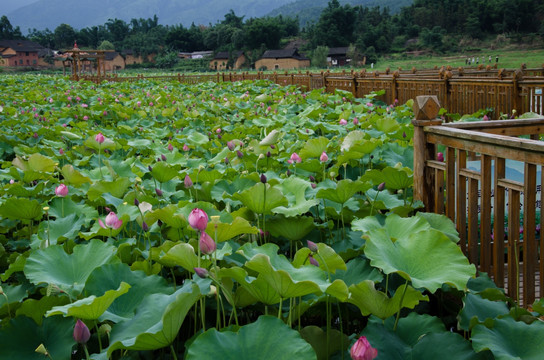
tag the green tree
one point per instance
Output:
(319, 56)
(167, 59)
(7, 31)
(64, 36)
(106, 45)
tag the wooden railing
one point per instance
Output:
(459, 91)
(469, 183)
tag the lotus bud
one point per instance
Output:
(313, 261)
(239, 154)
(295, 158)
(230, 145)
(201, 272)
(149, 168)
(226, 161)
(163, 157)
(312, 246)
(185, 147)
(145, 227)
(324, 157)
(61, 190)
(381, 187)
(104, 329)
(198, 219)
(136, 202)
(263, 178)
(312, 178)
(170, 147)
(187, 182)
(99, 138)
(81, 332)
(268, 154)
(159, 192)
(440, 157)
(362, 350)
(206, 243)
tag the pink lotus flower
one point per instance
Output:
(355, 121)
(61, 151)
(61, 190)
(362, 350)
(440, 156)
(198, 219)
(170, 147)
(206, 243)
(343, 122)
(486, 118)
(81, 332)
(99, 138)
(85, 118)
(112, 222)
(295, 158)
(324, 157)
(218, 131)
(185, 147)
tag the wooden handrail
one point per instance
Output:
(476, 200)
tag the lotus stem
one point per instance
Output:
(98, 336)
(86, 352)
(99, 162)
(173, 352)
(279, 308)
(400, 306)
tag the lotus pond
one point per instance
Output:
(157, 220)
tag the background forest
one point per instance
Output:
(439, 26)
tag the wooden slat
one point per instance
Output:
(450, 183)
(485, 214)
(498, 223)
(513, 241)
(511, 184)
(530, 255)
(473, 221)
(439, 191)
(461, 200)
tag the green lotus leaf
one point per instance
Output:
(70, 135)
(263, 122)
(354, 137)
(389, 201)
(20, 338)
(183, 255)
(287, 280)
(93, 144)
(157, 321)
(55, 231)
(328, 259)
(53, 265)
(111, 276)
(313, 148)
(477, 311)
(15, 266)
(73, 177)
(295, 189)
(92, 307)
(271, 138)
(38, 162)
(36, 309)
(97, 230)
(21, 209)
(14, 295)
(416, 337)
(394, 178)
(316, 337)
(254, 198)
(164, 172)
(420, 258)
(252, 342)
(387, 124)
(442, 223)
(19, 190)
(140, 143)
(258, 289)
(374, 302)
(538, 306)
(345, 190)
(170, 215)
(358, 269)
(510, 339)
(291, 228)
(226, 231)
(196, 138)
(116, 188)
(66, 205)
(396, 227)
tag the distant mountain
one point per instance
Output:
(80, 14)
(7, 6)
(309, 10)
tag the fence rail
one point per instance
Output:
(459, 91)
(482, 201)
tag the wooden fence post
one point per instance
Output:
(425, 110)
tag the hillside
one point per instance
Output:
(80, 14)
(309, 10)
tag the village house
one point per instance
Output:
(338, 56)
(114, 61)
(282, 59)
(222, 60)
(19, 53)
(195, 54)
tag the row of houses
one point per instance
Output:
(25, 53)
